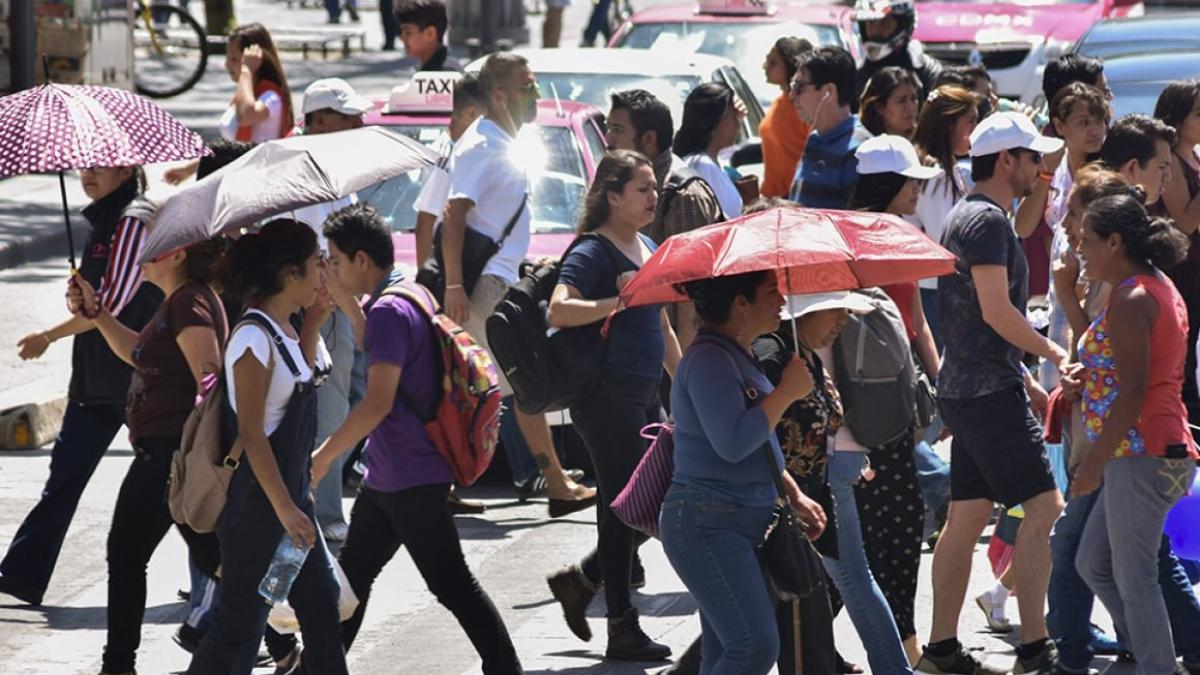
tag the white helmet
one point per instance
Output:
(866, 11)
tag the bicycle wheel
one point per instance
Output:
(169, 54)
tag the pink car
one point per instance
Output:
(563, 148)
(738, 31)
(1015, 39)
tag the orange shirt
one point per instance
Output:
(784, 135)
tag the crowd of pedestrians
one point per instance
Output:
(321, 344)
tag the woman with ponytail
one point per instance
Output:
(610, 418)
(1130, 378)
(270, 371)
(173, 357)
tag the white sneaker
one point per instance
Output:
(336, 532)
(994, 612)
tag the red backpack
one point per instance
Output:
(464, 421)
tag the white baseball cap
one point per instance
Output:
(892, 154)
(1008, 131)
(336, 94)
(797, 306)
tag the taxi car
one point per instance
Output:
(1014, 39)
(740, 31)
(560, 151)
(591, 75)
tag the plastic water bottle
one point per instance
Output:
(285, 567)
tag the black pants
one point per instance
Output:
(141, 519)
(87, 431)
(419, 518)
(610, 421)
(892, 512)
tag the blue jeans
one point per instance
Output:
(1070, 600)
(86, 433)
(333, 405)
(520, 459)
(711, 542)
(933, 475)
(598, 23)
(851, 572)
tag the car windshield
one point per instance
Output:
(746, 44)
(551, 155)
(596, 88)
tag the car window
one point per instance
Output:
(595, 141)
(754, 112)
(746, 44)
(597, 88)
(552, 156)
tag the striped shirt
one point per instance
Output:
(123, 274)
(828, 170)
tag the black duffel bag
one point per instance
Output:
(477, 250)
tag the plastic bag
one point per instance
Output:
(283, 618)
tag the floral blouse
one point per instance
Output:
(809, 423)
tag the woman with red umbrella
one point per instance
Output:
(99, 378)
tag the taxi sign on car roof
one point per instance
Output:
(431, 92)
(738, 7)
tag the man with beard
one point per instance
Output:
(986, 395)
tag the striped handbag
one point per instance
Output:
(640, 503)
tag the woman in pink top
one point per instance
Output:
(1130, 378)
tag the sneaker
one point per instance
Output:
(188, 638)
(290, 663)
(534, 486)
(335, 533)
(994, 612)
(1044, 662)
(958, 663)
(574, 591)
(1063, 670)
(1104, 644)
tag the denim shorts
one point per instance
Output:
(998, 453)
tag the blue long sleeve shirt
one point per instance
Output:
(718, 440)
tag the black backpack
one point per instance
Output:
(549, 369)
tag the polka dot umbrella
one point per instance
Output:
(56, 127)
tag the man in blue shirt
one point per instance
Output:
(823, 93)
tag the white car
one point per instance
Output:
(591, 75)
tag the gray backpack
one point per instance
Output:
(875, 373)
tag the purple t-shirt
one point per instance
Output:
(399, 453)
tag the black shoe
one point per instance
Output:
(1044, 662)
(572, 589)
(534, 486)
(958, 663)
(1189, 668)
(628, 642)
(565, 507)
(637, 577)
(20, 591)
(459, 505)
(188, 638)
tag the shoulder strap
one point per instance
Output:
(772, 465)
(512, 222)
(284, 352)
(424, 301)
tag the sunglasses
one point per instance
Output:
(798, 86)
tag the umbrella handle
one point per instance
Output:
(62, 188)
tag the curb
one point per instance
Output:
(31, 247)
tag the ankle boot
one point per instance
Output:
(627, 641)
(574, 591)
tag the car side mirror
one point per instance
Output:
(747, 153)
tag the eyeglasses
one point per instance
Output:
(798, 86)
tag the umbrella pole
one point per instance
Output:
(62, 187)
(787, 276)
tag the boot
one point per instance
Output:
(574, 591)
(627, 641)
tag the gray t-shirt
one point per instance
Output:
(977, 361)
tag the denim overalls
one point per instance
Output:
(249, 532)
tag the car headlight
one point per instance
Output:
(1055, 48)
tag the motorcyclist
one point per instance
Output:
(885, 30)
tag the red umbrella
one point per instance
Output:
(814, 251)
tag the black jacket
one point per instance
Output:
(913, 58)
(98, 376)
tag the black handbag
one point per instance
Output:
(791, 564)
(477, 250)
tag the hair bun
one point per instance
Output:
(1139, 193)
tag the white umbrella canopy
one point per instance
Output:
(281, 176)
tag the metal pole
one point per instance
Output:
(23, 55)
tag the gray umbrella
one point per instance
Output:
(280, 176)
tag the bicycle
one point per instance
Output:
(169, 49)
